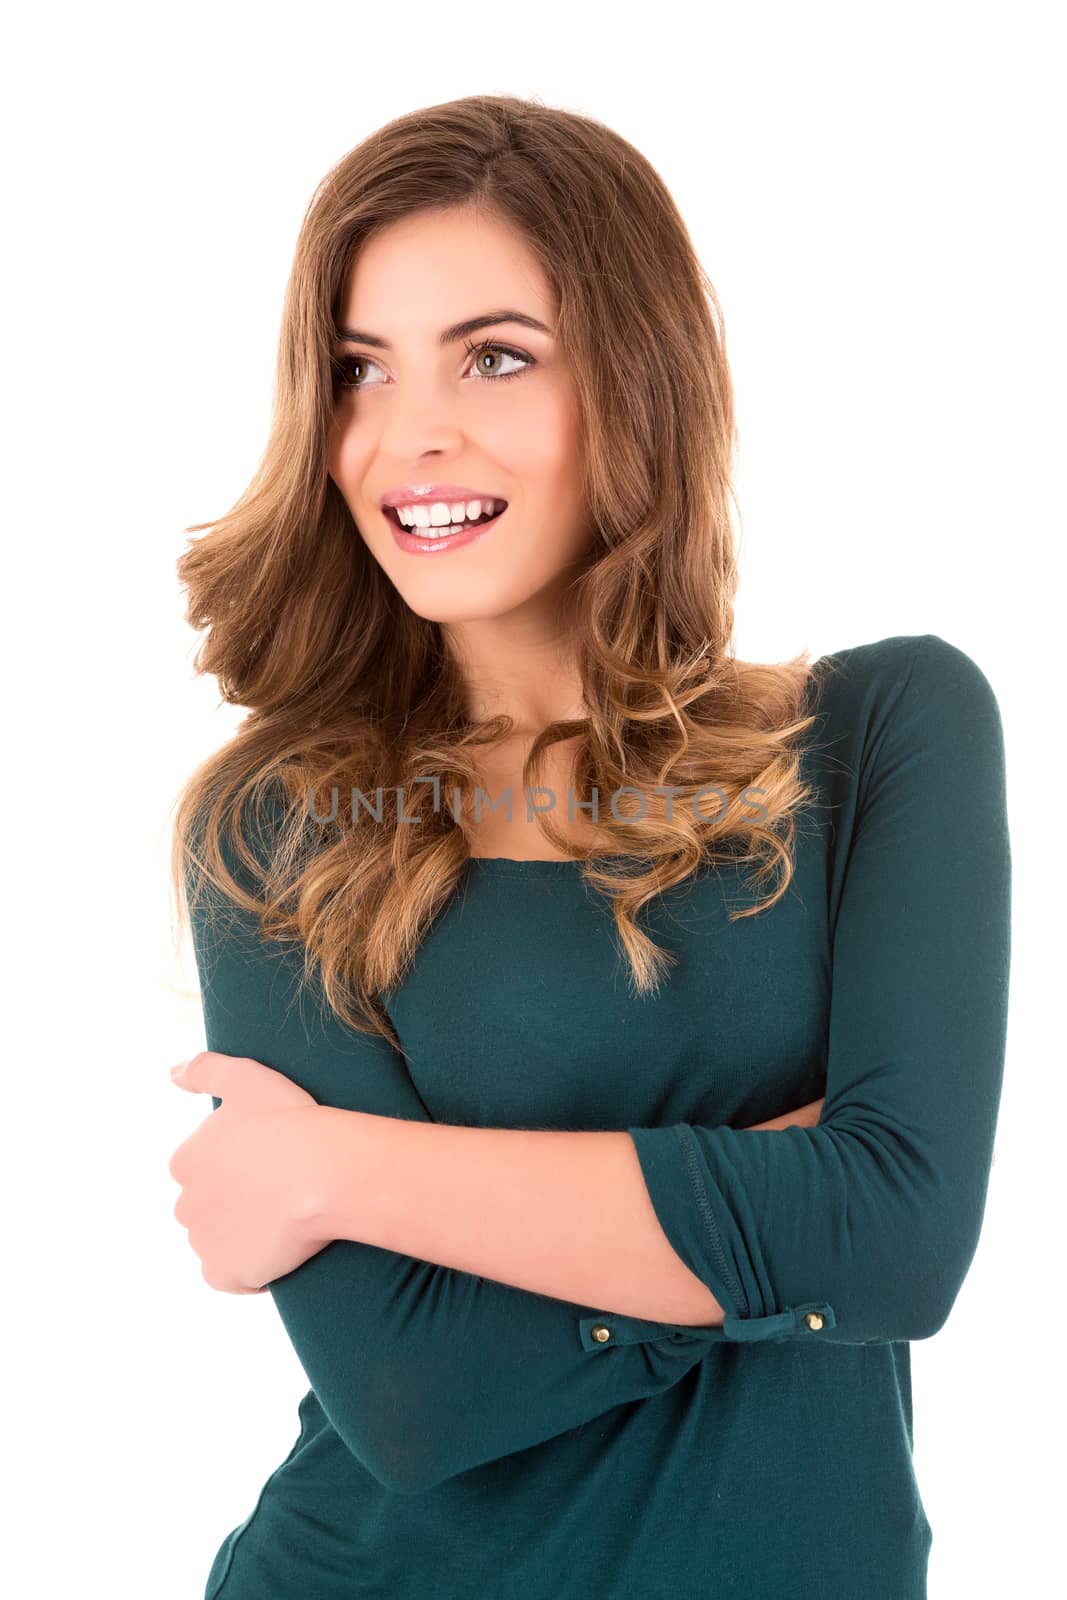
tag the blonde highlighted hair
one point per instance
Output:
(346, 687)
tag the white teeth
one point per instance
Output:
(443, 514)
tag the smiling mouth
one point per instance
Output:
(444, 529)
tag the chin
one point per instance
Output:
(445, 600)
(438, 609)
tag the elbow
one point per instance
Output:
(408, 1470)
(944, 1270)
(910, 1283)
(908, 1238)
(392, 1463)
(397, 1441)
(402, 1462)
(921, 1319)
(417, 1483)
(893, 1303)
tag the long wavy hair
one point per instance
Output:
(346, 688)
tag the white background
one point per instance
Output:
(876, 193)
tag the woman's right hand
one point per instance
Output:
(804, 1117)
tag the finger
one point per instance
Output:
(208, 1072)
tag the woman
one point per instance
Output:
(600, 1286)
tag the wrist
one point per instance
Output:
(341, 1173)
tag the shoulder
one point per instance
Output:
(905, 674)
(904, 709)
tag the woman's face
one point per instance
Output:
(424, 413)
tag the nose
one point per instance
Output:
(422, 419)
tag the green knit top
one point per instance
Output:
(462, 1439)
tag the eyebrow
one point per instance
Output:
(458, 330)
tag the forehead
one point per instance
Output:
(417, 275)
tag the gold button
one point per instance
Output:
(813, 1320)
(600, 1333)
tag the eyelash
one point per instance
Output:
(342, 365)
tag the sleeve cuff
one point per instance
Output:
(806, 1321)
(702, 1230)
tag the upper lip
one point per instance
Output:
(425, 494)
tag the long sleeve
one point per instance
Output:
(423, 1371)
(877, 1211)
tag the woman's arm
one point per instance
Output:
(879, 1207)
(521, 1207)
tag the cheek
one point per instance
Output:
(349, 453)
(335, 452)
(539, 442)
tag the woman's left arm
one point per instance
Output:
(877, 1211)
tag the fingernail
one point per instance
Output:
(177, 1071)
